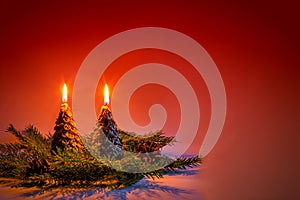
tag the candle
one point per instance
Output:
(105, 111)
(106, 121)
(106, 95)
(66, 136)
(65, 94)
(64, 106)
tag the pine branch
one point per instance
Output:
(13, 160)
(31, 140)
(36, 142)
(179, 163)
(10, 149)
(15, 132)
(30, 159)
(147, 143)
(182, 163)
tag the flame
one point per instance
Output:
(106, 95)
(65, 94)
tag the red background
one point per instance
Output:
(255, 46)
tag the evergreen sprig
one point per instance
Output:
(31, 160)
(146, 143)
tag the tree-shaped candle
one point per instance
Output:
(105, 140)
(66, 136)
(106, 121)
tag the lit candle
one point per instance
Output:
(65, 94)
(64, 106)
(106, 95)
(66, 136)
(105, 108)
(106, 121)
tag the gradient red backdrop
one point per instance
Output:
(255, 46)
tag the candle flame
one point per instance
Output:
(65, 94)
(106, 95)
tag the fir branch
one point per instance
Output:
(30, 159)
(182, 163)
(31, 140)
(15, 132)
(179, 163)
(147, 143)
(36, 142)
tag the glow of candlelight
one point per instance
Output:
(65, 94)
(106, 95)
